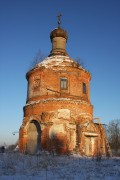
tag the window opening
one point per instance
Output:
(84, 88)
(63, 83)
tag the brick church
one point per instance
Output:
(58, 114)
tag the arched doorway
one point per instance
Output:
(33, 137)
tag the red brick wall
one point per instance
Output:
(52, 105)
(49, 83)
(45, 95)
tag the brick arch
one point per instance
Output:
(33, 143)
(91, 127)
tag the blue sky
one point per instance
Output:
(93, 27)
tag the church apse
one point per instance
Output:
(58, 114)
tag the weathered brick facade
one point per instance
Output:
(58, 115)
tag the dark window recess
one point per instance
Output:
(84, 88)
(63, 83)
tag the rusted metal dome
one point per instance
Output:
(58, 33)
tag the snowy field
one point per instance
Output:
(15, 166)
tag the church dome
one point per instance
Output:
(58, 32)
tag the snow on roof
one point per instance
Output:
(57, 60)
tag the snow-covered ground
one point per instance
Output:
(16, 166)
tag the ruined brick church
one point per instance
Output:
(58, 114)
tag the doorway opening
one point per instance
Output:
(90, 145)
(33, 137)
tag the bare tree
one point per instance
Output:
(79, 62)
(113, 132)
(37, 59)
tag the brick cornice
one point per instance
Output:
(60, 100)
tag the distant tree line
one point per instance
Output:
(2, 149)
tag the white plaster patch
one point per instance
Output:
(64, 113)
(92, 144)
(86, 115)
(72, 126)
(56, 129)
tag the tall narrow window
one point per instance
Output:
(63, 83)
(84, 88)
